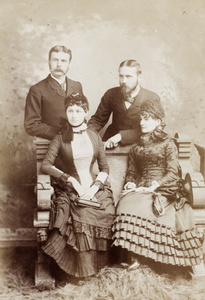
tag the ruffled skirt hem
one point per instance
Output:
(77, 263)
(157, 241)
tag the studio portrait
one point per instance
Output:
(102, 178)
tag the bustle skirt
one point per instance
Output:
(171, 238)
(80, 238)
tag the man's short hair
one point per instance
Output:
(60, 49)
(131, 63)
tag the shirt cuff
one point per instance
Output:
(102, 176)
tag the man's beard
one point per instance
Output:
(126, 91)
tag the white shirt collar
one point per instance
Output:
(59, 81)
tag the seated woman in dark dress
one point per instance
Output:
(80, 236)
(153, 217)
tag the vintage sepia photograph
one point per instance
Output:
(102, 150)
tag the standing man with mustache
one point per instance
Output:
(123, 103)
(45, 109)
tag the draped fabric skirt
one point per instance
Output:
(171, 238)
(80, 238)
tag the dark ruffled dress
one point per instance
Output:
(171, 237)
(80, 237)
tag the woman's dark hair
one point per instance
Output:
(77, 99)
(146, 114)
(66, 128)
(154, 109)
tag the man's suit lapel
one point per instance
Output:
(69, 87)
(56, 86)
(139, 98)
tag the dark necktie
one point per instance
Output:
(129, 99)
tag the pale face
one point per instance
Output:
(59, 64)
(128, 79)
(148, 124)
(75, 115)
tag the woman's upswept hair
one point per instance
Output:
(70, 100)
(146, 114)
(77, 99)
(154, 109)
(131, 63)
(59, 48)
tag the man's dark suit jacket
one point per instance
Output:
(45, 107)
(124, 121)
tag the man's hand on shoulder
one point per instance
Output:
(113, 141)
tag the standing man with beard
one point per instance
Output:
(123, 103)
(45, 108)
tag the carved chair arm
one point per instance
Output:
(43, 189)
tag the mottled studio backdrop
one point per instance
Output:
(165, 36)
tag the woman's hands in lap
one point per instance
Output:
(84, 193)
(89, 193)
(131, 187)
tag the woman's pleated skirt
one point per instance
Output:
(170, 238)
(80, 239)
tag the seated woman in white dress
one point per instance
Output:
(153, 217)
(80, 237)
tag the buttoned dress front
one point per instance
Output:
(169, 238)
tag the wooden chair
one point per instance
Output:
(193, 176)
(44, 192)
(117, 159)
